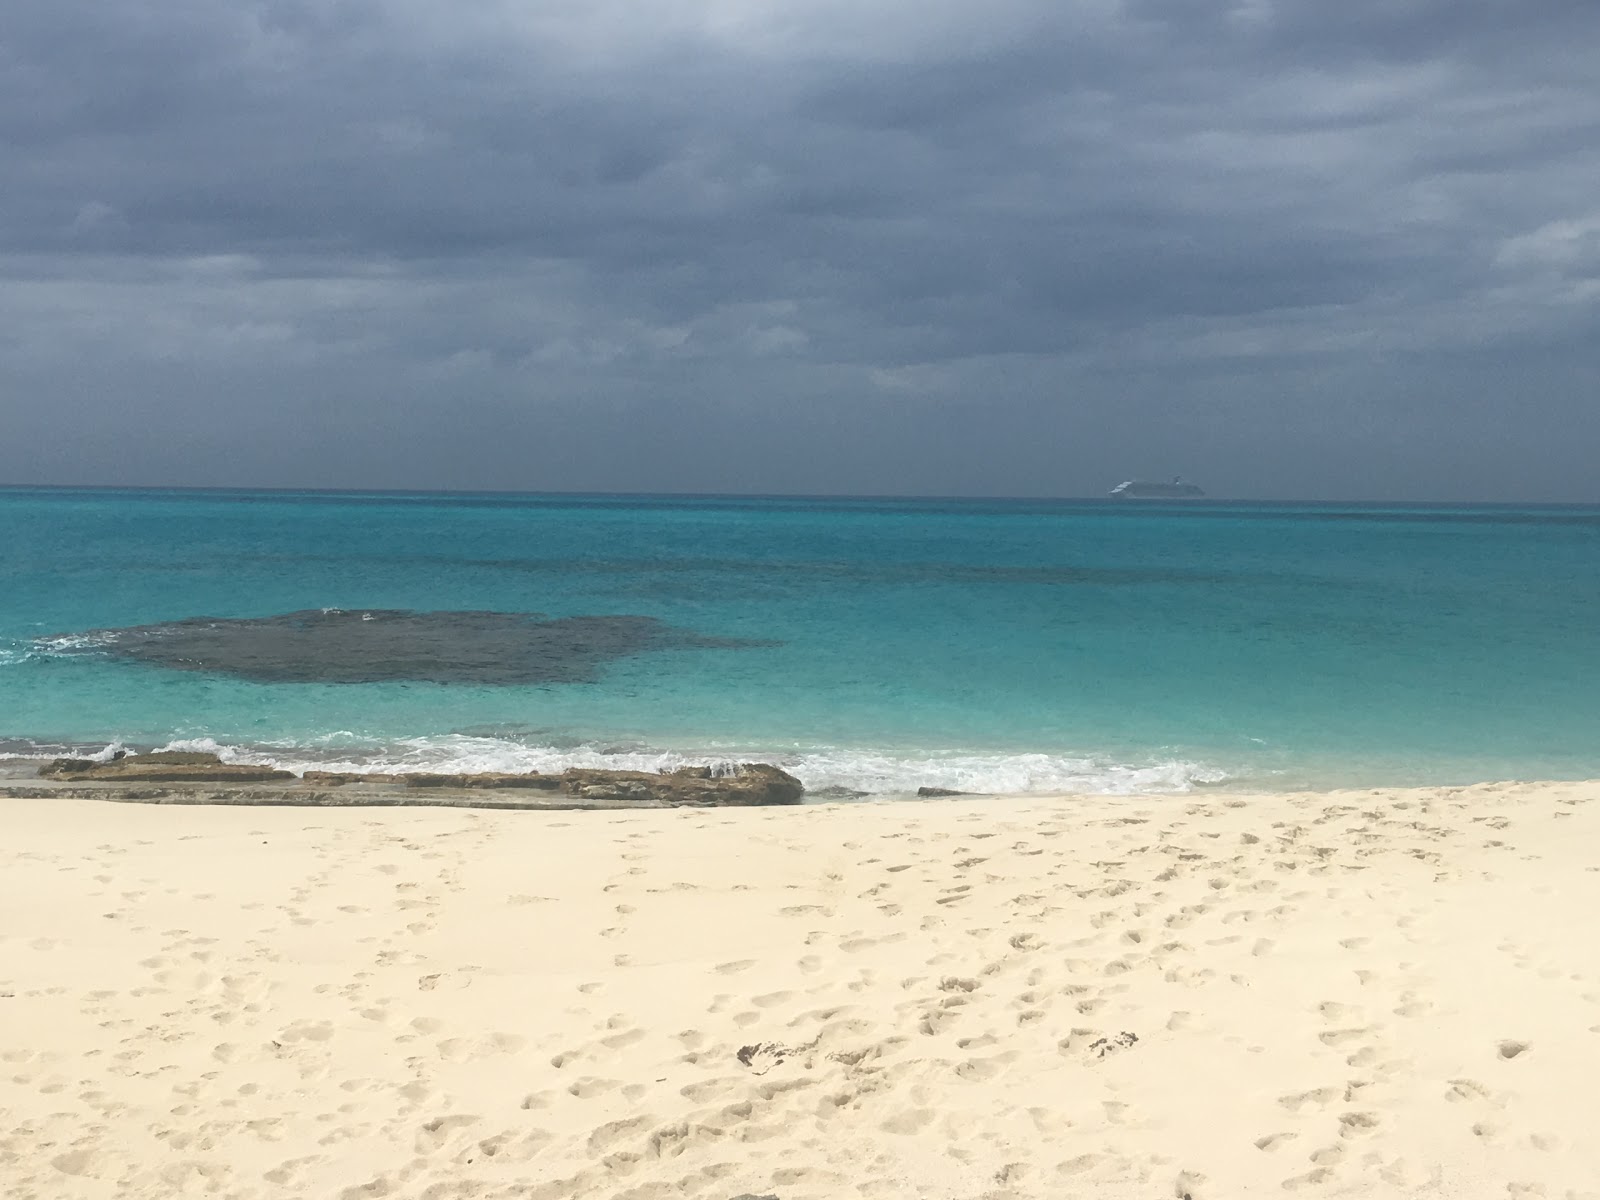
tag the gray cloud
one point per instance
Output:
(1284, 247)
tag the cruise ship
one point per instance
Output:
(1134, 489)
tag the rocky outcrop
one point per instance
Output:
(486, 779)
(749, 784)
(169, 766)
(340, 778)
(753, 783)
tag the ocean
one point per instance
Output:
(869, 646)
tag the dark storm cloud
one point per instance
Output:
(891, 247)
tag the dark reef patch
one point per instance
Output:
(395, 645)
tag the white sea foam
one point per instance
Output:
(72, 643)
(877, 772)
(205, 745)
(456, 753)
(30, 751)
(51, 647)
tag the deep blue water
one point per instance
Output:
(988, 645)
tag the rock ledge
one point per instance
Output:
(750, 784)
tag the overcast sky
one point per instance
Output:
(1283, 247)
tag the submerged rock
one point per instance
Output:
(749, 784)
(392, 645)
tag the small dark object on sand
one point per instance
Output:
(763, 1056)
(1121, 1041)
(747, 1054)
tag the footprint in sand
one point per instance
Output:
(432, 1135)
(610, 1134)
(1317, 1099)
(978, 1070)
(627, 1037)
(1311, 1179)
(1354, 1124)
(1340, 1037)
(1332, 1010)
(1466, 1089)
(308, 1031)
(910, 1121)
(1274, 1140)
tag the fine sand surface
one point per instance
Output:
(1345, 994)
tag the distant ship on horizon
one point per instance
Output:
(1135, 489)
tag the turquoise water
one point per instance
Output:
(984, 645)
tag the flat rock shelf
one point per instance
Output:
(192, 778)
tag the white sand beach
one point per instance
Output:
(1391, 993)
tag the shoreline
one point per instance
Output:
(827, 771)
(1375, 992)
(21, 776)
(21, 779)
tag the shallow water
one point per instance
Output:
(871, 645)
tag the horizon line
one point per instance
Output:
(687, 495)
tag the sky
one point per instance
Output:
(1285, 248)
